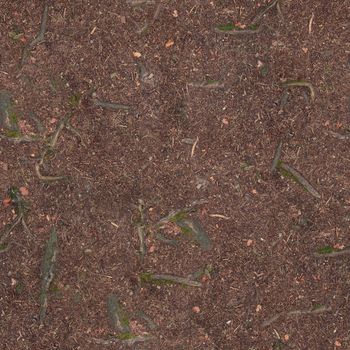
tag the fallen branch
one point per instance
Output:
(288, 171)
(48, 268)
(292, 313)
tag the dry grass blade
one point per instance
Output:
(277, 156)
(288, 171)
(301, 83)
(48, 268)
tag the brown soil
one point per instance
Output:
(262, 249)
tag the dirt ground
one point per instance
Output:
(203, 112)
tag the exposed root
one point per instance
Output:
(301, 83)
(40, 37)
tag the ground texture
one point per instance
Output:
(207, 111)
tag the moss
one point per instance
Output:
(3, 247)
(125, 336)
(178, 217)
(147, 277)
(12, 133)
(326, 250)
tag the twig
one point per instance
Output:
(211, 84)
(266, 9)
(301, 83)
(220, 216)
(194, 147)
(110, 105)
(47, 178)
(276, 157)
(310, 22)
(40, 37)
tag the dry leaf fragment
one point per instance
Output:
(337, 343)
(24, 191)
(249, 242)
(175, 14)
(258, 308)
(136, 54)
(196, 309)
(6, 202)
(169, 43)
(225, 121)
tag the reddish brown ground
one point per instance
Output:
(263, 255)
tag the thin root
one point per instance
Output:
(47, 177)
(301, 83)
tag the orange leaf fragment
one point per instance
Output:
(6, 202)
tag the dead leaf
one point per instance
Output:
(24, 191)
(169, 43)
(240, 25)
